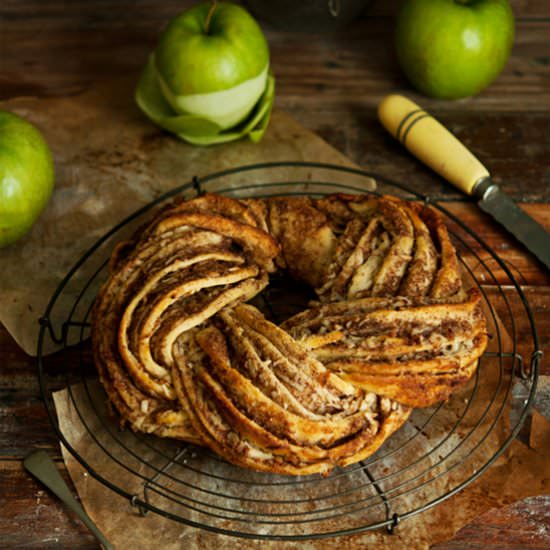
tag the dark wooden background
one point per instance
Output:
(331, 83)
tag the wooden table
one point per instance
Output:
(331, 84)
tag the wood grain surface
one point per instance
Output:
(524, 524)
(330, 83)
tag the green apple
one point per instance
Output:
(208, 80)
(453, 48)
(26, 176)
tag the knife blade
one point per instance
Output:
(503, 209)
(433, 144)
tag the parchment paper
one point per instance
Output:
(110, 160)
(524, 470)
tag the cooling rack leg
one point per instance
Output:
(47, 324)
(524, 372)
(65, 327)
(137, 504)
(394, 517)
(395, 522)
(197, 186)
(536, 358)
(149, 482)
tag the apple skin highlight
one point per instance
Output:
(26, 176)
(451, 49)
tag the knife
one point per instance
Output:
(434, 145)
(41, 466)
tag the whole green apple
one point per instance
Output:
(212, 61)
(26, 176)
(453, 48)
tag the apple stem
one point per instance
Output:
(209, 16)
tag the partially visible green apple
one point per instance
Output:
(26, 176)
(453, 48)
(208, 78)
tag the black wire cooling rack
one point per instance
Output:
(437, 453)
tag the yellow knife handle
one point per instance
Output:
(431, 142)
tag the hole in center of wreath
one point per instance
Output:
(283, 298)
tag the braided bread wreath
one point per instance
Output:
(181, 355)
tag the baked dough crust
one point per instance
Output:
(180, 354)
